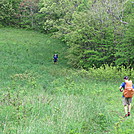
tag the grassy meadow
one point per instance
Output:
(39, 97)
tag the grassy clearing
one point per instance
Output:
(38, 97)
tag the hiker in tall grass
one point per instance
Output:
(55, 58)
(128, 90)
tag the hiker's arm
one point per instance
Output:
(120, 88)
(133, 87)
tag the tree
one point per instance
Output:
(94, 32)
(124, 55)
(27, 12)
(8, 12)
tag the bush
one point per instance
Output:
(107, 73)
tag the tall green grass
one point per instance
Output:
(38, 97)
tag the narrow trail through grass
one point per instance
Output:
(38, 97)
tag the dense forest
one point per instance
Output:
(97, 32)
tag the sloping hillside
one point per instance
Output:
(39, 97)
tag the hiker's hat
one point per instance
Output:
(126, 77)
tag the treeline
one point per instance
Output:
(97, 32)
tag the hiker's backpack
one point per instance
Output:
(128, 91)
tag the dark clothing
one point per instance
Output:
(55, 58)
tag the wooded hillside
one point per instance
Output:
(96, 32)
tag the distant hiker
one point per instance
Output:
(55, 58)
(128, 90)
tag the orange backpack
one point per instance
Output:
(128, 91)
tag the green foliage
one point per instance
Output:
(19, 13)
(120, 126)
(125, 49)
(27, 13)
(93, 34)
(107, 73)
(96, 32)
(8, 12)
(58, 13)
